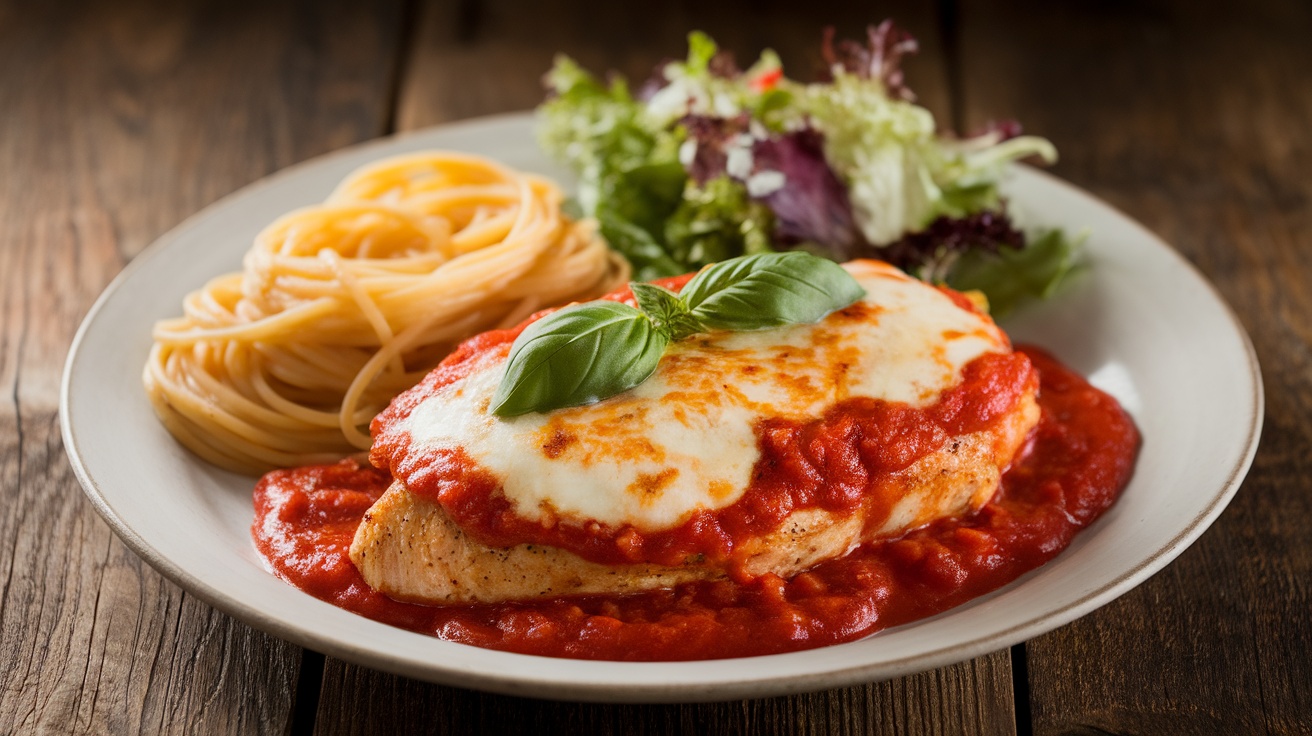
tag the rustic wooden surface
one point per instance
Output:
(1196, 123)
(118, 119)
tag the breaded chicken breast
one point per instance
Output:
(889, 392)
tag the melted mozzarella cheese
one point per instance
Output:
(684, 440)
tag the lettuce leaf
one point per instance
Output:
(901, 175)
(717, 221)
(647, 256)
(634, 205)
(1012, 276)
(600, 131)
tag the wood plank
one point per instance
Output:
(485, 58)
(121, 118)
(1192, 119)
(965, 699)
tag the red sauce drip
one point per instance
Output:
(1079, 458)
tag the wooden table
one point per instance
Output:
(118, 119)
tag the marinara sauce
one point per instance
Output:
(1078, 459)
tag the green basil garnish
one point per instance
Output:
(588, 352)
(581, 354)
(769, 290)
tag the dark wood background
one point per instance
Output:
(118, 119)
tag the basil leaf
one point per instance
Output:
(578, 355)
(769, 290)
(666, 310)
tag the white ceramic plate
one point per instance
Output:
(1140, 322)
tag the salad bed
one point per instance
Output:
(706, 161)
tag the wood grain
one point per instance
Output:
(964, 699)
(481, 58)
(1193, 120)
(121, 118)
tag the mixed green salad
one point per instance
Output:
(707, 161)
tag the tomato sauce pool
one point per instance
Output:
(1079, 458)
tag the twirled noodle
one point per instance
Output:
(344, 304)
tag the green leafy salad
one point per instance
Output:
(707, 162)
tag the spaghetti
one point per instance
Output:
(343, 305)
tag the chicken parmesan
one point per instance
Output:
(746, 454)
(760, 493)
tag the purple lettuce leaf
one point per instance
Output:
(789, 174)
(812, 205)
(930, 253)
(711, 137)
(880, 58)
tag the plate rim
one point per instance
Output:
(606, 691)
